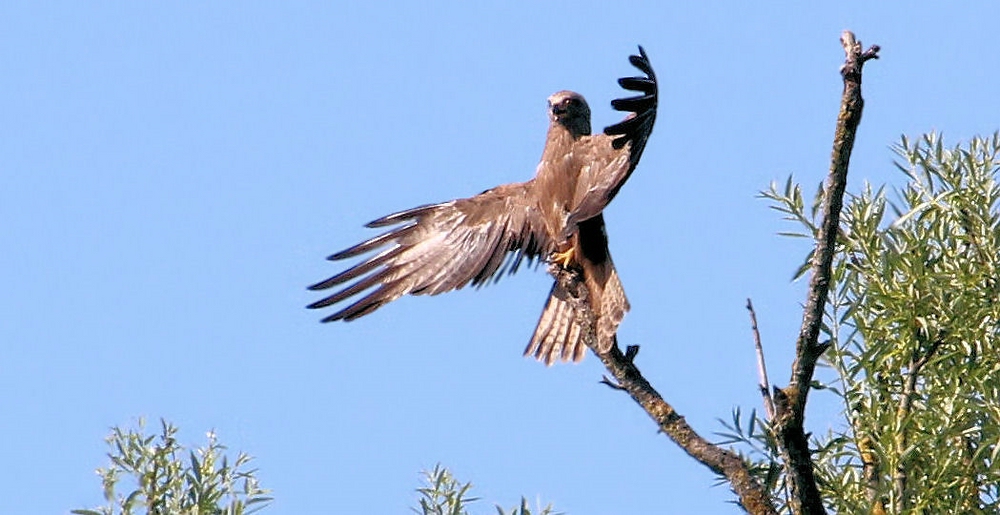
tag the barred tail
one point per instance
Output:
(561, 332)
(614, 305)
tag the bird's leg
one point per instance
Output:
(563, 258)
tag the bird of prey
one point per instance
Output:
(557, 216)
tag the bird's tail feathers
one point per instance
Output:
(614, 305)
(562, 330)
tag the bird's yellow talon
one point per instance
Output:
(563, 258)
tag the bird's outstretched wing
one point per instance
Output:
(612, 157)
(636, 127)
(440, 247)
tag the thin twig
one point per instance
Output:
(754, 498)
(870, 471)
(902, 412)
(790, 412)
(605, 380)
(764, 386)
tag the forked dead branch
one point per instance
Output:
(789, 402)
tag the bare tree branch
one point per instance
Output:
(754, 498)
(791, 402)
(764, 386)
(788, 403)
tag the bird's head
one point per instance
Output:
(570, 110)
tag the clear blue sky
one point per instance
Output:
(173, 175)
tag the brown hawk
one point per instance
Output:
(555, 216)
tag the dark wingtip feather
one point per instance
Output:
(362, 307)
(402, 216)
(318, 304)
(642, 108)
(322, 285)
(374, 243)
(643, 84)
(641, 62)
(349, 313)
(633, 104)
(631, 123)
(332, 318)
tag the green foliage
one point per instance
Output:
(445, 495)
(164, 479)
(761, 456)
(914, 319)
